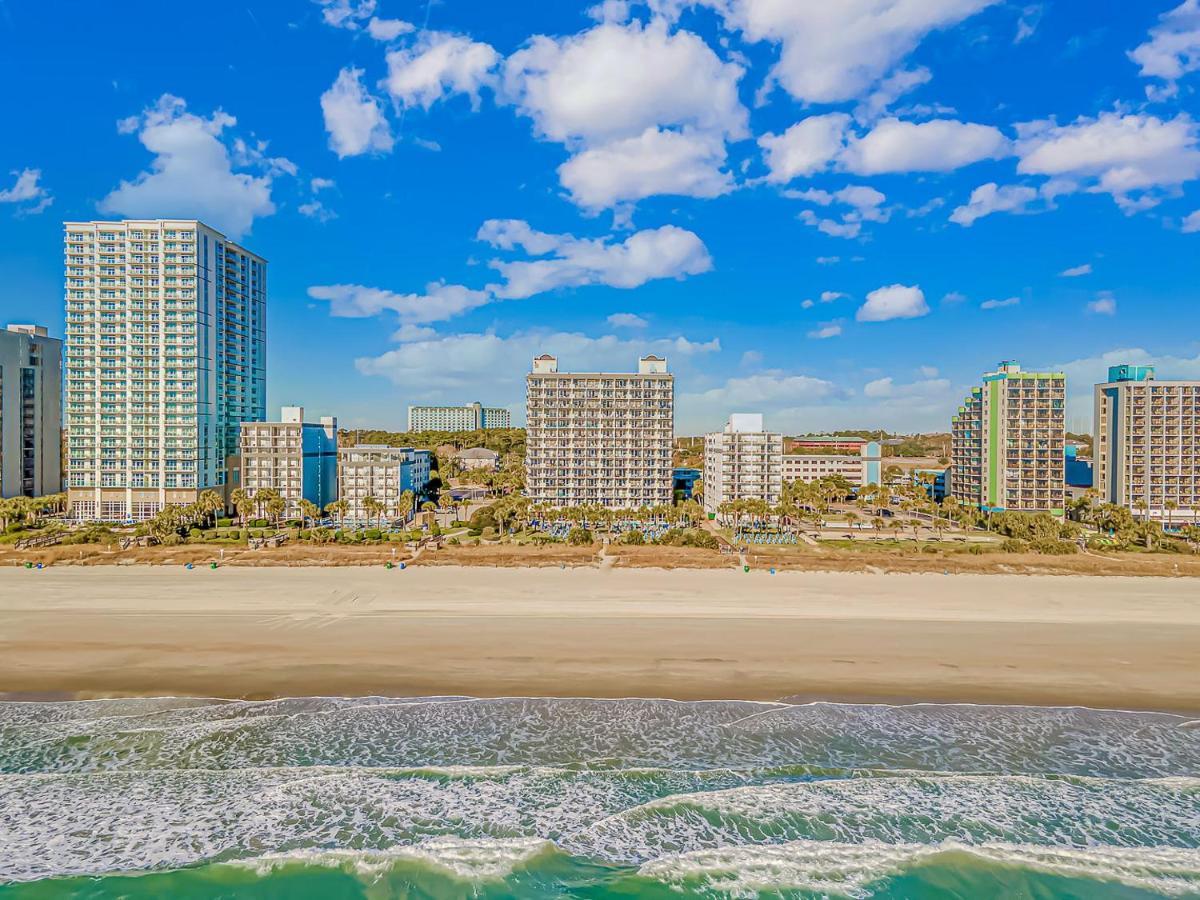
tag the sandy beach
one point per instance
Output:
(1130, 643)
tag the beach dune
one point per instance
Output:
(686, 634)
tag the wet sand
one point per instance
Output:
(1131, 643)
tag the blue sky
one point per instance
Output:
(838, 214)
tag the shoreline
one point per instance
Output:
(256, 633)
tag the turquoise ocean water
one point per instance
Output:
(451, 797)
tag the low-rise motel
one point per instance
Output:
(148, 424)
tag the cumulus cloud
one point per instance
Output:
(388, 29)
(655, 162)
(1105, 304)
(440, 65)
(27, 192)
(192, 173)
(627, 320)
(478, 363)
(667, 252)
(820, 143)
(1173, 49)
(348, 14)
(940, 145)
(1127, 156)
(354, 118)
(1076, 271)
(860, 204)
(889, 91)
(832, 52)
(1191, 223)
(1000, 304)
(826, 330)
(1085, 372)
(439, 302)
(992, 198)
(768, 388)
(616, 81)
(896, 301)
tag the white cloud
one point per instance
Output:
(865, 204)
(616, 81)
(828, 260)
(655, 162)
(1115, 154)
(818, 143)
(354, 118)
(753, 391)
(953, 297)
(320, 184)
(440, 65)
(889, 91)
(830, 296)
(826, 330)
(439, 302)
(348, 14)
(831, 227)
(831, 52)
(627, 320)
(896, 301)
(1076, 271)
(991, 198)
(751, 358)
(1000, 304)
(1105, 304)
(191, 174)
(1028, 22)
(667, 252)
(388, 29)
(28, 189)
(1191, 223)
(928, 371)
(805, 148)
(486, 363)
(1173, 49)
(315, 209)
(1082, 374)
(940, 145)
(880, 387)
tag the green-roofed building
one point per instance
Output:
(1008, 440)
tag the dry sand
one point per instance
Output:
(1117, 642)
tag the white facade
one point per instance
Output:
(478, 458)
(1147, 444)
(742, 462)
(165, 358)
(385, 473)
(806, 467)
(30, 412)
(297, 459)
(473, 417)
(599, 438)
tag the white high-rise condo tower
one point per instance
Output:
(742, 462)
(165, 358)
(599, 438)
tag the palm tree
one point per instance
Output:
(338, 508)
(1170, 506)
(308, 511)
(372, 507)
(243, 505)
(405, 507)
(276, 507)
(210, 503)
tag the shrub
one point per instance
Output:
(453, 541)
(483, 518)
(689, 537)
(579, 537)
(254, 533)
(1054, 547)
(474, 532)
(976, 549)
(259, 523)
(373, 534)
(1014, 545)
(635, 538)
(224, 523)
(541, 539)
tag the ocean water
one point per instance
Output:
(447, 797)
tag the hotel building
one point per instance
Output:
(297, 459)
(861, 468)
(1007, 442)
(599, 438)
(165, 359)
(385, 473)
(742, 462)
(30, 412)
(473, 417)
(1147, 444)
